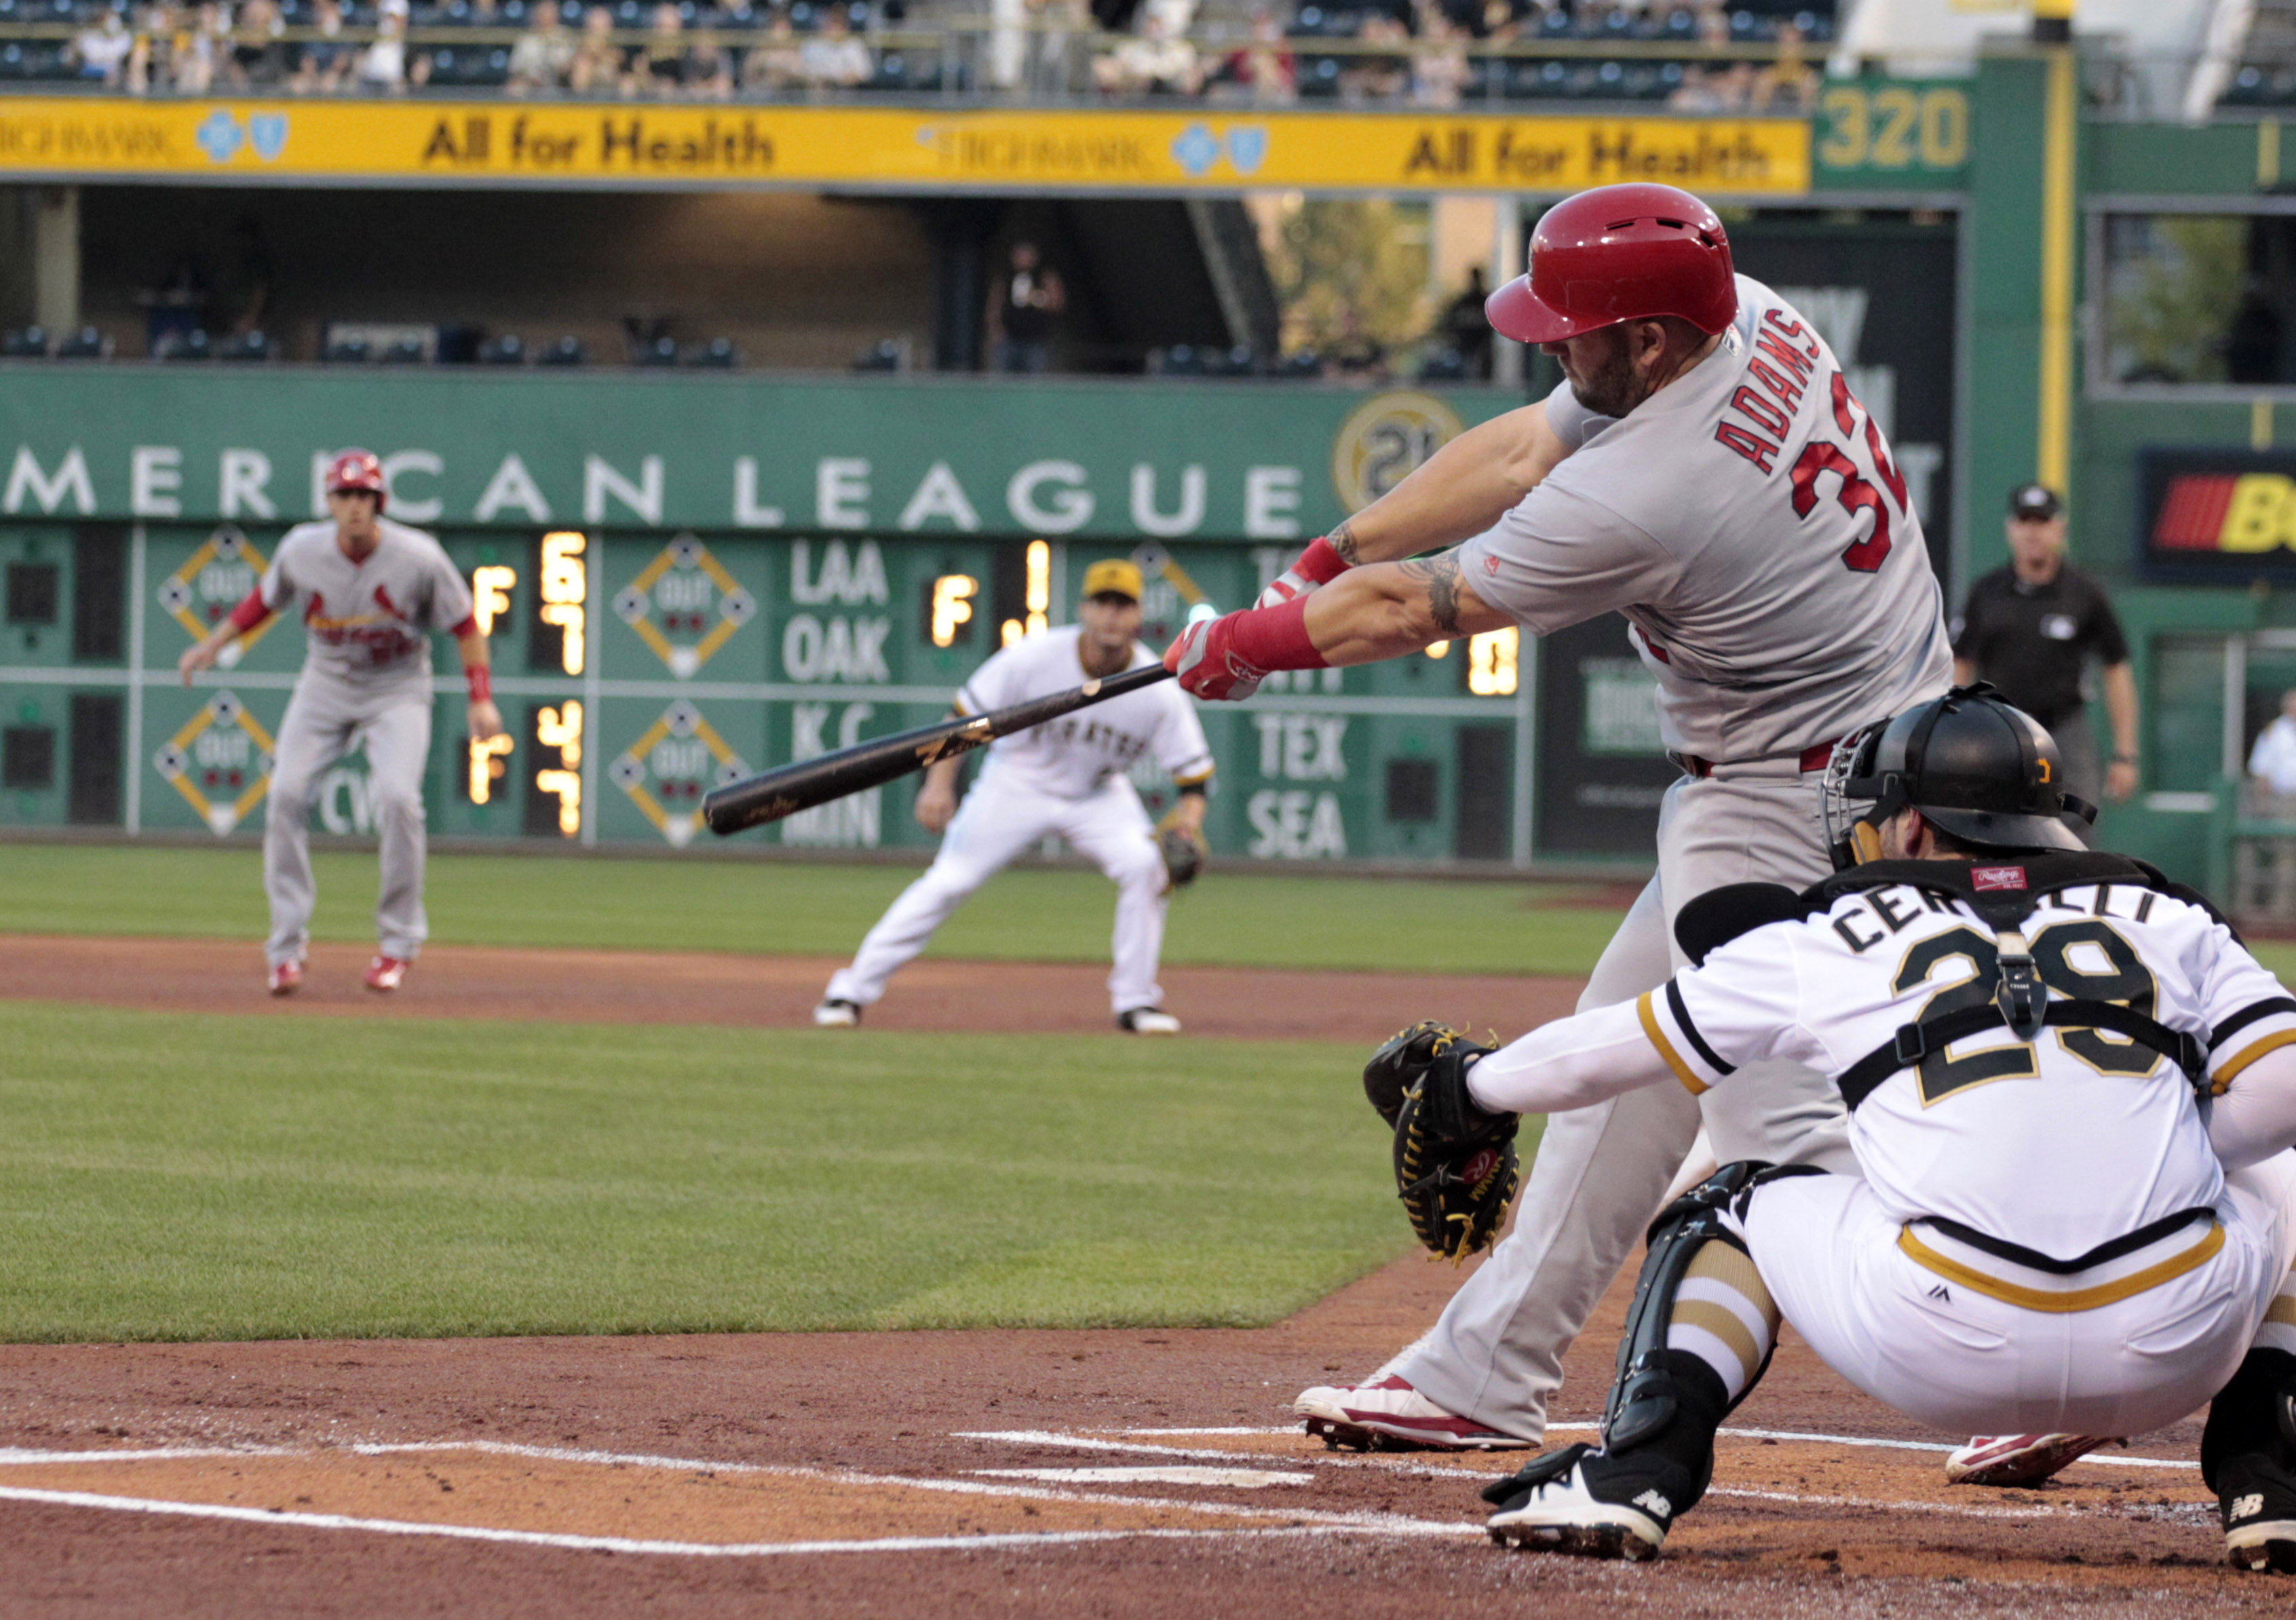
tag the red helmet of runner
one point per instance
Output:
(1619, 253)
(358, 470)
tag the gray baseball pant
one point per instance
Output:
(322, 719)
(1495, 1354)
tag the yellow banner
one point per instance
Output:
(511, 144)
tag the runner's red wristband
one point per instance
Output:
(1274, 638)
(1321, 561)
(251, 612)
(480, 679)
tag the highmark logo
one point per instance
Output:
(1197, 149)
(220, 136)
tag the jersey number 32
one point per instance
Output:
(1858, 492)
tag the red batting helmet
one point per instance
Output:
(355, 470)
(1619, 253)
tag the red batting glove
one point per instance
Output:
(1319, 564)
(1225, 658)
(1204, 659)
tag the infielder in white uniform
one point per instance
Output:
(1066, 776)
(370, 592)
(1705, 470)
(2070, 1092)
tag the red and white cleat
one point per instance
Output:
(386, 973)
(286, 978)
(2019, 1460)
(1389, 1415)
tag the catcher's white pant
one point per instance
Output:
(1001, 817)
(1601, 1173)
(323, 718)
(1955, 1356)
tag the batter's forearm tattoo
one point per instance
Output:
(1440, 575)
(1343, 541)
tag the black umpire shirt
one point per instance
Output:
(2031, 640)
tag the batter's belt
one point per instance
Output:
(1815, 757)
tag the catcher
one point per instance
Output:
(2069, 1090)
(1067, 776)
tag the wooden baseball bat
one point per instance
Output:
(771, 795)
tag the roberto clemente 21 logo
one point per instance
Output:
(1384, 440)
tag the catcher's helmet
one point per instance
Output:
(1985, 772)
(1619, 253)
(358, 470)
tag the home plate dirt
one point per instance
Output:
(1120, 1473)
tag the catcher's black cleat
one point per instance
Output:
(1581, 1500)
(2248, 1458)
(2257, 1497)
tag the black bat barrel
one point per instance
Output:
(772, 795)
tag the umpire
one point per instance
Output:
(2031, 627)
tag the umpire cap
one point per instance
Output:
(1985, 772)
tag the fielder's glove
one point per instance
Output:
(1185, 853)
(1455, 1167)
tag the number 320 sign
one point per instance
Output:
(1892, 133)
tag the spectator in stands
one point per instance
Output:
(1375, 76)
(1789, 85)
(2273, 760)
(1154, 62)
(777, 63)
(258, 53)
(99, 52)
(544, 53)
(1464, 329)
(597, 65)
(1023, 310)
(1263, 71)
(1439, 69)
(385, 67)
(323, 65)
(1501, 21)
(200, 43)
(658, 67)
(2030, 628)
(1729, 89)
(833, 58)
(1059, 66)
(147, 56)
(710, 69)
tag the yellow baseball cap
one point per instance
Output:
(1116, 575)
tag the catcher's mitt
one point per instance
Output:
(1185, 854)
(1455, 1167)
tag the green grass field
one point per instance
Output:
(1231, 917)
(168, 1178)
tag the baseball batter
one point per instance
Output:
(2045, 1229)
(1706, 470)
(1066, 776)
(370, 592)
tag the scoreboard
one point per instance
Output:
(635, 669)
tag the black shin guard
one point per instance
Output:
(1643, 1397)
(2255, 1412)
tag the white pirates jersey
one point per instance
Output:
(1071, 758)
(368, 622)
(1752, 523)
(2072, 1141)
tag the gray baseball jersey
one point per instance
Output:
(368, 622)
(1751, 523)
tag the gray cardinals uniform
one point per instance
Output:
(367, 672)
(1750, 523)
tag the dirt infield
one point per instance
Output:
(1069, 1474)
(765, 992)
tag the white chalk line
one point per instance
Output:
(1298, 1521)
(2107, 1458)
(1051, 1437)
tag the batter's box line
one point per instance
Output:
(616, 1543)
(1049, 1437)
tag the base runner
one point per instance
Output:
(370, 592)
(1066, 776)
(1706, 470)
(2070, 1090)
